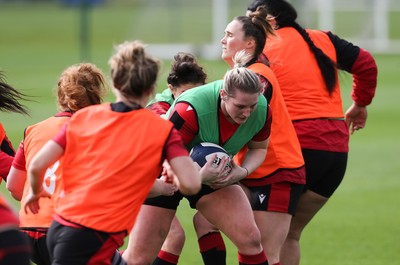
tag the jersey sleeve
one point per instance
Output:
(7, 147)
(160, 108)
(5, 164)
(361, 65)
(175, 146)
(19, 161)
(365, 75)
(61, 136)
(7, 153)
(185, 121)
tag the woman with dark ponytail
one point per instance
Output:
(306, 64)
(9, 102)
(275, 187)
(14, 247)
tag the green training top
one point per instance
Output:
(205, 101)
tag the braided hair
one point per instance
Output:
(285, 15)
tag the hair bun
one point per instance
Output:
(241, 58)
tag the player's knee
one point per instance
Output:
(251, 239)
(254, 237)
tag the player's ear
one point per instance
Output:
(223, 94)
(250, 43)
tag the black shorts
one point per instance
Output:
(276, 197)
(80, 245)
(37, 239)
(172, 202)
(167, 202)
(324, 170)
(205, 189)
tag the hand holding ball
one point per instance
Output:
(204, 152)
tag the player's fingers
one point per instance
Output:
(26, 208)
(214, 161)
(31, 206)
(356, 127)
(352, 129)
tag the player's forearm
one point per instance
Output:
(254, 158)
(189, 180)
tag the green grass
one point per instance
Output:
(359, 225)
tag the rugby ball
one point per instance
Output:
(203, 152)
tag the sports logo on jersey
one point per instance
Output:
(262, 197)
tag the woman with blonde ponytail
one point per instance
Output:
(231, 113)
(275, 187)
(112, 154)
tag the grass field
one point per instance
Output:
(359, 225)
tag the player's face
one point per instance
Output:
(238, 107)
(233, 41)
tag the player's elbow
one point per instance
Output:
(15, 193)
(15, 183)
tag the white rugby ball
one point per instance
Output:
(203, 152)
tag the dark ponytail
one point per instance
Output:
(325, 64)
(9, 98)
(285, 15)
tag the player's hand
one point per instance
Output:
(168, 173)
(356, 117)
(164, 188)
(32, 201)
(214, 169)
(233, 174)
